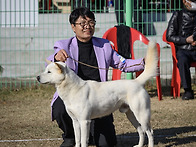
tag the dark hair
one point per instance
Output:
(83, 12)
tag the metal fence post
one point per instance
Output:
(129, 8)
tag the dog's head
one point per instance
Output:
(53, 74)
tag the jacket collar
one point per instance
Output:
(190, 13)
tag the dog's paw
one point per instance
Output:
(136, 146)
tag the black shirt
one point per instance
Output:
(87, 56)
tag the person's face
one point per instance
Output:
(84, 28)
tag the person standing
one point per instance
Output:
(119, 11)
(81, 3)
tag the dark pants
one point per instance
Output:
(63, 120)
(119, 11)
(105, 126)
(101, 125)
(185, 57)
(81, 3)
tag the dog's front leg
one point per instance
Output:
(85, 130)
(77, 133)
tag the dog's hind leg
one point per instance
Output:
(143, 117)
(146, 127)
(137, 125)
(85, 130)
(149, 133)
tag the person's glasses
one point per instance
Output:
(91, 23)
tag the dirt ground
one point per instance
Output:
(26, 121)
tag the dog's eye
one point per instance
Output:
(49, 71)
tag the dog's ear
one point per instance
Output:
(61, 68)
(48, 61)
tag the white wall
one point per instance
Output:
(19, 13)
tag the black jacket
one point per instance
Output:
(181, 25)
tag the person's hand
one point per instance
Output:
(61, 55)
(187, 5)
(190, 39)
(194, 43)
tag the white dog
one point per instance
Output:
(86, 100)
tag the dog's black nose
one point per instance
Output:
(38, 78)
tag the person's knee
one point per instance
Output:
(183, 63)
(58, 109)
(183, 58)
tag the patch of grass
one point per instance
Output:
(26, 114)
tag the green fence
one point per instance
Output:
(29, 29)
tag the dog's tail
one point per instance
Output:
(151, 62)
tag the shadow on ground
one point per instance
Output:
(169, 137)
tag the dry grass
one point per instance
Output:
(25, 114)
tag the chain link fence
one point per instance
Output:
(29, 29)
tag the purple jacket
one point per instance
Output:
(106, 57)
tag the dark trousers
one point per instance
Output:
(185, 57)
(119, 11)
(63, 119)
(81, 3)
(101, 125)
(105, 126)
